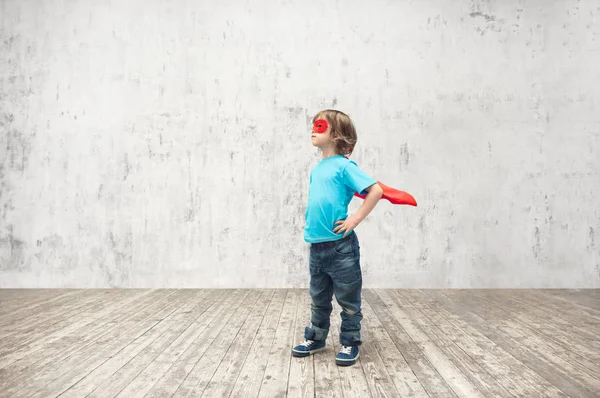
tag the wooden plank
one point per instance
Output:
(433, 383)
(585, 318)
(586, 311)
(250, 377)
(13, 301)
(59, 350)
(11, 295)
(46, 335)
(166, 321)
(512, 343)
(561, 330)
(512, 374)
(20, 334)
(201, 374)
(553, 305)
(556, 318)
(223, 380)
(571, 348)
(406, 382)
(503, 343)
(274, 383)
(478, 376)
(46, 313)
(144, 381)
(459, 383)
(202, 338)
(116, 373)
(254, 299)
(587, 297)
(579, 323)
(301, 382)
(109, 345)
(552, 353)
(39, 305)
(376, 374)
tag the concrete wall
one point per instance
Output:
(167, 143)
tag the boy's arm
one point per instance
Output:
(374, 194)
(371, 200)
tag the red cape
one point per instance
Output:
(395, 196)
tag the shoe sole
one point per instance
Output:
(306, 353)
(346, 362)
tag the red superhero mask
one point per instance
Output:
(320, 126)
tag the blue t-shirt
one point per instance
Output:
(333, 182)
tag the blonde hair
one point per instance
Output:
(342, 130)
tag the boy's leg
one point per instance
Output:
(321, 292)
(347, 287)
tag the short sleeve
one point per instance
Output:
(355, 179)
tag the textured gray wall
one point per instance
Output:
(154, 143)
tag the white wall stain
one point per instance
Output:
(155, 145)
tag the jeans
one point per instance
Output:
(335, 269)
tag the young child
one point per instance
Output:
(334, 251)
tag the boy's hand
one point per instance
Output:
(374, 194)
(346, 225)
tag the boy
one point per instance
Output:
(334, 252)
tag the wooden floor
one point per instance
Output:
(221, 343)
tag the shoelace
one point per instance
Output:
(307, 343)
(346, 350)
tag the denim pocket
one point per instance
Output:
(344, 247)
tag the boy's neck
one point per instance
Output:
(329, 152)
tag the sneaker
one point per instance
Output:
(308, 347)
(347, 356)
